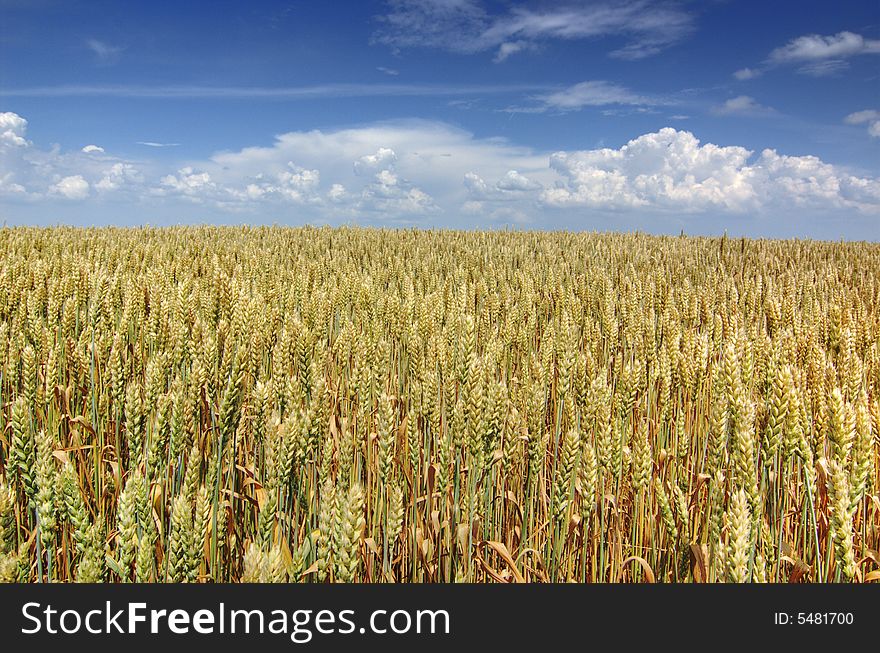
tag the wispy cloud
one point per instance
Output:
(870, 117)
(815, 54)
(510, 48)
(742, 105)
(466, 26)
(746, 73)
(155, 144)
(256, 92)
(388, 71)
(596, 93)
(105, 52)
(814, 47)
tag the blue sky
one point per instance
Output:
(752, 117)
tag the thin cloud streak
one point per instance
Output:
(105, 52)
(155, 144)
(252, 92)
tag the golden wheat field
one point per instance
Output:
(354, 405)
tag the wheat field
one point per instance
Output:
(271, 404)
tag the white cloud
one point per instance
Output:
(105, 52)
(742, 105)
(448, 24)
(189, 183)
(118, 175)
(476, 185)
(808, 181)
(595, 93)
(10, 188)
(514, 181)
(74, 187)
(293, 184)
(12, 129)
(388, 71)
(466, 26)
(861, 117)
(823, 68)
(387, 193)
(511, 189)
(384, 157)
(814, 47)
(402, 170)
(30, 173)
(299, 179)
(505, 50)
(321, 91)
(337, 193)
(671, 171)
(155, 144)
(390, 198)
(421, 172)
(871, 117)
(815, 54)
(744, 74)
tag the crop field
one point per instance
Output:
(317, 405)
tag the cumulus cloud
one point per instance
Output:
(299, 179)
(396, 170)
(468, 26)
(390, 196)
(671, 170)
(188, 183)
(371, 163)
(12, 129)
(10, 188)
(31, 173)
(74, 187)
(742, 105)
(509, 200)
(117, 176)
(514, 181)
(388, 193)
(422, 172)
(476, 185)
(294, 185)
(337, 193)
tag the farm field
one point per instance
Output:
(211, 404)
